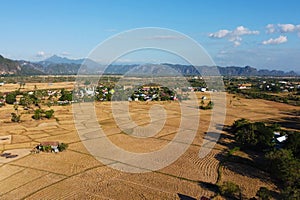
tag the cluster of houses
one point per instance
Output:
(49, 146)
(141, 93)
(283, 86)
(102, 91)
(152, 92)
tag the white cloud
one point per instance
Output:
(241, 30)
(279, 40)
(234, 36)
(220, 34)
(283, 28)
(237, 43)
(40, 54)
(271, 28)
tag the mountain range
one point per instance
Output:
(56, 65)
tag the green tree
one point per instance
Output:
(87, 82)
(46, 148)
(263, 193)
(238, 124)
(62, 146)
(10, 98)
(37, 114)
(255, 135)
(229, 189)
(49, 113)
(293, 143)
(285, 167)
(15, 117)
(264, 135)
(66, 95)
(210, 105)
(26, 101)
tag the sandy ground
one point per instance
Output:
(31, 86)
(76, 174)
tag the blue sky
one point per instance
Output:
(262, 34)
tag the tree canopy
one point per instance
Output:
(253, 135)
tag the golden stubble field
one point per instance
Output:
(76, 174)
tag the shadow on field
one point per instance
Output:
(252, 167)
(291, 120)
(209, 186)
(185, 197)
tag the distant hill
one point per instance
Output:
(63, 65)
(12, 67)
(62, 60)
(232, 71)
(56, 65)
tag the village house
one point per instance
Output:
(244, 86)
(48, 146)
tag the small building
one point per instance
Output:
(53, 146)
(203, 89)
(244, 86)
(281, 138)
(276, 133)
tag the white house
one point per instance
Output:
(203, 89)
(281, 138)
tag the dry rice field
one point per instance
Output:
(76, 174)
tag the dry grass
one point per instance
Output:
(75, 174)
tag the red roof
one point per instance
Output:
(49, 143)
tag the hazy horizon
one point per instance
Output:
(263, 35)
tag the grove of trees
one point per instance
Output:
(282, 162)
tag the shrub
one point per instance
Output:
(37, 114)
(46, 148)
(229, 189)
(49, 113)
(209, 106)
(62, 146)
(10, 98)
(66, 95)
(263, 193)
(15, 117)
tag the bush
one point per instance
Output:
(10, 98)
(49, 113)
(62, 146)
(46, 148)
(37, 114)
(255, 135)
(229, 189)
(66, 95)
(15, 117)
(263, 193)
(285, 168)
(209, 106)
